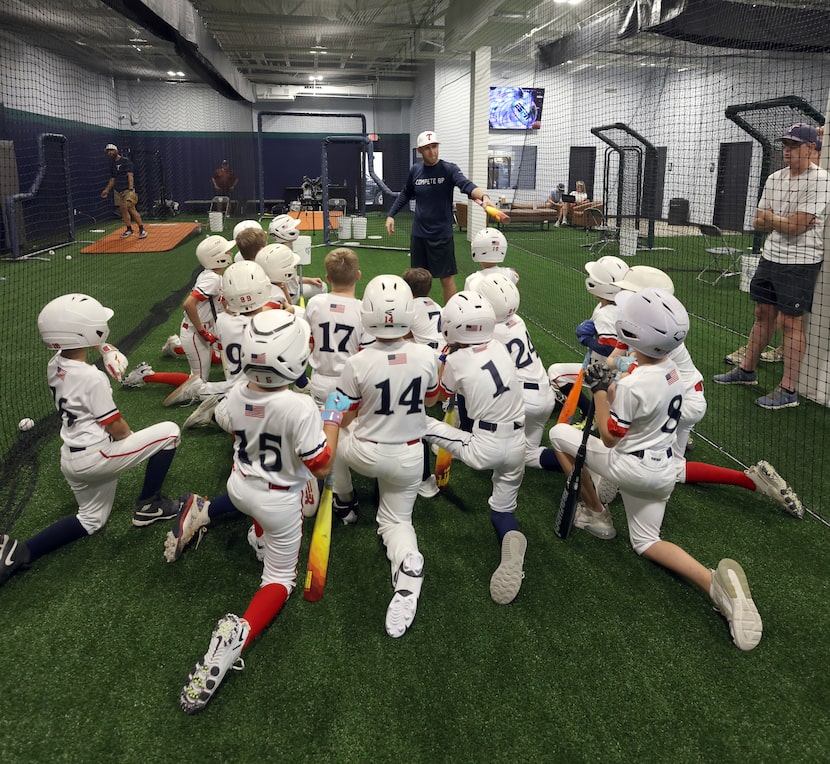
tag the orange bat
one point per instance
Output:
(494, 212)
(443, 461)
(568, 409)
(318, 553)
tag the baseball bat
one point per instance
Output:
(564, 523)
(569, 407)
(318, 553)
(494, 212)
(443, 461)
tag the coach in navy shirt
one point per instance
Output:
(431, 185)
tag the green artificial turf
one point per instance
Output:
(602, 656)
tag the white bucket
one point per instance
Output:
(302, 247)
(295, 206)
(749, 264)
(344, 227)
(359, 228)
(217, 224)
(628, 242)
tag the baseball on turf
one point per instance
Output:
(69, 257)
(51, 251)
(25, 424)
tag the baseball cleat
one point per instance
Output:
(136, 377)
(14, 556)
(731, 597)
(507, 578)
(401, 611)
(345, 510)
(142, 234)
(203, 415)
(599, 524)
(126, 234)
(768, 481)
(155, 508)
(170, 344)
(186, 393)
(429, 488)
(736, 377)
(226, 645)
(778, 399)
(257, 543)
(192, 518)
(607, 490)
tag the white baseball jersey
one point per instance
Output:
(278, 298)
(275, 435)
(208, 293)
(230, 328)
(336, 328)
(426, 327)
(605, 322)
(389, 382)
(485, 377)
(514, 336)
(469, 282)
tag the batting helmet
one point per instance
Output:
(652, 321)
(74, 321)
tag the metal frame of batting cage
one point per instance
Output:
(733, 113)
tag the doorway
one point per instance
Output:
(734, 161)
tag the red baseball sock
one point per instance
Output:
(174, 378)
(258, 529)
(698, 472)
(263, 609)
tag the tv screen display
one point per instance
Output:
(514, 108)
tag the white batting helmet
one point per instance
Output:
(284, 228)
(652, 321)
(74, 321)
(489, 246)
(275, 348)
(602, 275)
(644, 276)
(500, 292)
(278, 261)
(467, 319)
(215, 252)
(245, 286)
(243, 225)
(388, 307)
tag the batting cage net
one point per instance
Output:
(645, 131)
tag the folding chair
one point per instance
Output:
(595, 223)
(220, 204)
(724, 260)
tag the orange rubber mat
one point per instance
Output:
(161, 237)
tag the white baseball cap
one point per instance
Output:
(427, 137)
(110, 146)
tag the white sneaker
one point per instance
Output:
(257, 543)
(136, 377)
(557, 224)
(192, 518)
(186, 393)
(598, 524)
(607, 490)
(169, 347)
(203, 415)
(226, 645)
(428, 488)
(507, 578)
(731, 597)
(768, 481)
(401, 611)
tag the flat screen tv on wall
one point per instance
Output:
(513, 108)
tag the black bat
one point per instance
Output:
(570, 496)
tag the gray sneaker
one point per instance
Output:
(736, 377)
(731, 597)
(507, 578)
(778, 399)
(769, 482)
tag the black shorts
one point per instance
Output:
(788, 287)
(436, 255)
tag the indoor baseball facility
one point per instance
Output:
(683, 138)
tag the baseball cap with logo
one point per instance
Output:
(427, 137)
(800, 133)
(561, 186)
(110, 146)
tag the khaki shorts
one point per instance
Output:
(125, 198)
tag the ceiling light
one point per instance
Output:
(171, 74)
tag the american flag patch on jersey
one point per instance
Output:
(672, 377)
(61, 373)
(336, 307)
(255, 411)
(396, 358)
(257, 358)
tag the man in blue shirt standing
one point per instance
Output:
(431, 185)
(125, 198)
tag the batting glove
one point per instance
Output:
(335, 405)
(115, 362)
(625, 363)
(599, 376)
(585, 331)
(207, 336)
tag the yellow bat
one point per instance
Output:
(318, 553)
(443, 461)
(494, 212)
